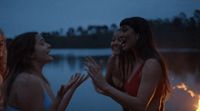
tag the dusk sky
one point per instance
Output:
(18, 16)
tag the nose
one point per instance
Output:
(49, 46)
(120, 35)
(115, 43)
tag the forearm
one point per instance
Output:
(55, 104)
(124, 99)
(65, 100)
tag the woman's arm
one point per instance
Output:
(151, 74)
(75, 81)
(30, 94)
(108, 76)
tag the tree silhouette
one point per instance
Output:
(71, 32)
(197, 17)
(80, 31)
(113, 27)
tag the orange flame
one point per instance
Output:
(198, 107)
(184, 87)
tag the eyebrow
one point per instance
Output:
(41, 39)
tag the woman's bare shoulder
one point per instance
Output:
(26, 80)
(152, 62)
(153, 67)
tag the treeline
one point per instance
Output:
(178, 32)
(92, 37)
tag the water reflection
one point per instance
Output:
(184, 66)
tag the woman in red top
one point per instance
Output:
(136, 75)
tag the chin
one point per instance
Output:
(49, 59)
(125, 49)
(116, 53)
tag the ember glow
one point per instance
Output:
(185, 88)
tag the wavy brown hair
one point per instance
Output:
(18, 58)
(3, 54)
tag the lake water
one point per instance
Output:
(183, 64)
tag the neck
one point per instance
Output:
(137, 58)
(37, 70)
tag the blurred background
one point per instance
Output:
(77, 29)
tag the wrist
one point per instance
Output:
(106, 89)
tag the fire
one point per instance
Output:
(184, 87)
(198, 107)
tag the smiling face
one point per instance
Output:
(128, 37)
(42, 49)
(116, 44)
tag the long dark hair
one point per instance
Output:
(145, 46)
(3, 54)
(19, 58)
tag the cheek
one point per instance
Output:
(37, 54)
(132, 41)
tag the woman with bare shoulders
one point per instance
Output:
(26, 89)
(3, 56)
(136, 76)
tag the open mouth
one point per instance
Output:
(123, 43)
(115, 48)
(48, 52)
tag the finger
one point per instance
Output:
(87, 59)
(77, 76)
(72, 77)
(91, 64)
(81, 79)
(92, 61)
(84, 77)
(87, 76)
(70, 80)
(91, 74)
(92, 69)
(88, 64)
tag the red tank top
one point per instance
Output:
(131, 87)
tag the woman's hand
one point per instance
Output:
(94, 71)
(66, 91)
(75, 81)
